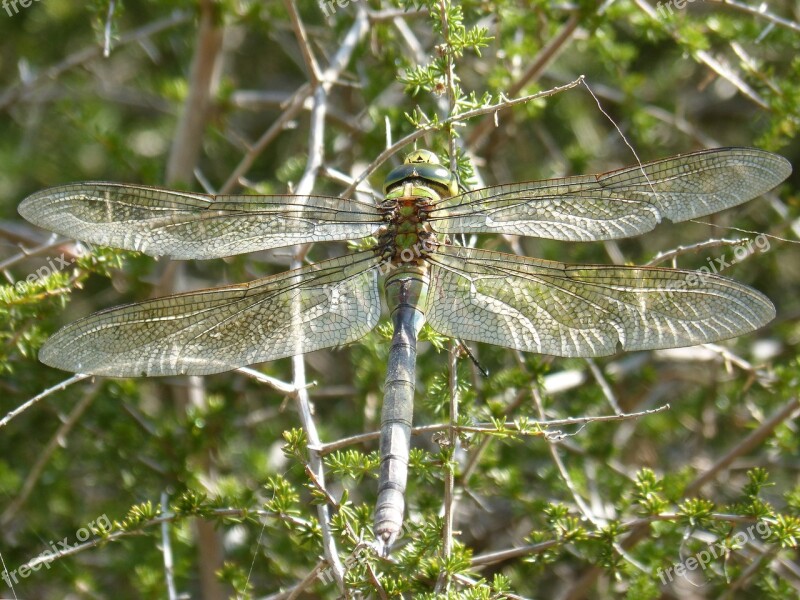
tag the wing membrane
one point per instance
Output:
(617, 204)
(185, 225)
(320, 306)
(581, 311)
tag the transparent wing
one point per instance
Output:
(565, 310)
(184, 225)
(617, 204)
(328, 304)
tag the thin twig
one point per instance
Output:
(753, 440)
(301, 585)
(451, 85)
(601, 381)
(545, 57)
(535, 428)
(305, 186)
(562, 469)
(85, 55)
(55, 241)
(107, 32)
(734, 359)
(46, 453)
(305, 46)
(748, 231)
(166, 549)
(294, 107)
(242, 513)
(748, 572)
(425, 128)
(762, 12)
(724, 71)
(442, 584)
(585, 583)
(281, 386)
(41, 396)
(443, 580)
(680, 250)
(388, 14)
(490, 558)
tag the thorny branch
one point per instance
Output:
(85, 55)
(321, 83)
(639, 532)
(45, 454)
(535, 428)
(449, 503)
(540, 62)
(492, 558)
(425, 128)
(52, 390)
(713, 63)
(762, 11)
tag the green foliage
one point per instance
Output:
(648, 492)
(138, 515)
(353, 464)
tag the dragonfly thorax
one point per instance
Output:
(411, 190)
(408, 238)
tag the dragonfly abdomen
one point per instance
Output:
(406, 293)
(406, 241)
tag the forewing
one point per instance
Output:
(319, 306)
(184, 225)
(617, 204)
(581, 311)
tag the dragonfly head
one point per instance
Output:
(424, 165)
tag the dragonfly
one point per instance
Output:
(519, 302)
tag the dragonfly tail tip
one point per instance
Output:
(384, 542)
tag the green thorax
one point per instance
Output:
(411, 190)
